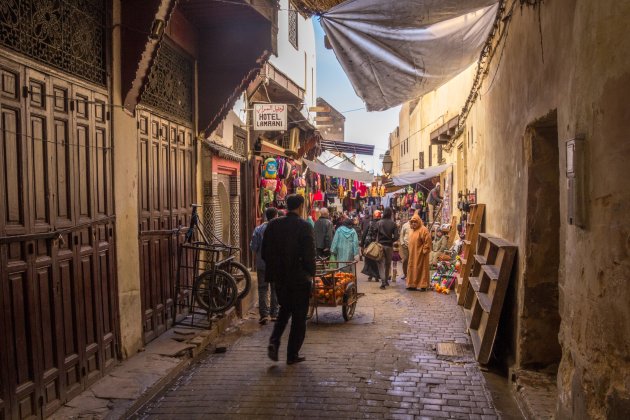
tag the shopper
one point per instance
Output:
(370, 268)
(345, 244)
(387, 233)
(323, 233)
(419, 248)
(289, 253)
(266, 292)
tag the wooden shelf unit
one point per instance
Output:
(485, 292)
(473, 225)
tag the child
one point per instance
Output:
(395, 259)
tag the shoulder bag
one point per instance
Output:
(374, 250)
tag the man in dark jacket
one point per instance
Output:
(323, 233)
(289, 253)
(387, 235)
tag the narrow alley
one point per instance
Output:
(381, 364)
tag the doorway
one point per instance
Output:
(224, 215)
(539, 347)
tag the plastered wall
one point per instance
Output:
(126, 205)
(574, 61)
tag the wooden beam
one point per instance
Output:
(319, 109)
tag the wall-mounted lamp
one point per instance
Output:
(388, 163)
(157, 29)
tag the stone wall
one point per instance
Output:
(572, 62)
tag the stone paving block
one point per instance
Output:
(385, 368)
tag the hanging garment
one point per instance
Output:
(270, 168)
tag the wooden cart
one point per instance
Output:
(335, 284)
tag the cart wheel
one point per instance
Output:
(349, 301)
(312, 301)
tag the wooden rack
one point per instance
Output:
(473, 225)
(484, 292)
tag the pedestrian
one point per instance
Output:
(323, 233)
(395, 258)
(348, 202)
(404, 247)
(387, 235)
(345, 244)
(419, 248)
(370, 268)
(266, 291)
(434, 199)
(289, 253)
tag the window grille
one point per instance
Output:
(66, 34)
(293, 26)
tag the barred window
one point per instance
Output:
(293, 26)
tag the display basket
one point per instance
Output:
(335, 284)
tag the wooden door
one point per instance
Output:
(58, 297)
(165, 196)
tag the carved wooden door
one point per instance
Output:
(165, 198)
(58, 299)
(166, 192)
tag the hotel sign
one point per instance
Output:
(270, 117)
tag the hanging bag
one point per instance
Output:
(374, 250)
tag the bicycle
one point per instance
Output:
(218, 288)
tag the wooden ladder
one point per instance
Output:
(473, 225)
(483, 298)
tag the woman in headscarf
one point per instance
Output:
(345, 244)
(370, 268)
(419, 249)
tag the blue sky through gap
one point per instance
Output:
(361, 126)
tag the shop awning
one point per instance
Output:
(348, 172)
(345, 147)
(420, 175)
(396, 51)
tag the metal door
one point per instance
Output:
(58, 297)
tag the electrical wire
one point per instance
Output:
(58, 143)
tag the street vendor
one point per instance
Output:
(440, 244)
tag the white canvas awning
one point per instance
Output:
(396, 51)
(344, 170)
(420, 175)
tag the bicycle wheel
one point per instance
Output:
(241, 276)
(215, 291)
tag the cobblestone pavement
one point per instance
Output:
(383, 364)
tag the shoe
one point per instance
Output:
(272, 352)
(411, 288)
(298, 359)
(369, 278)
(382, 287)
(263, 320)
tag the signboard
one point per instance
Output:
(270, 117)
